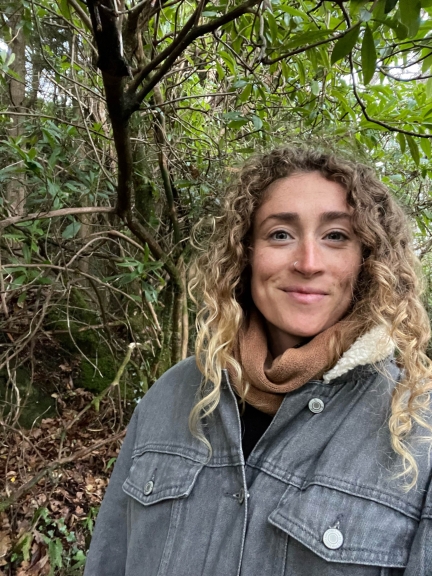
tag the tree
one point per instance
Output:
(125, 120)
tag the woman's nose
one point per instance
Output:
(308, 259)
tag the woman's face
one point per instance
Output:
(305, 258)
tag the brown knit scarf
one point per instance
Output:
(269, 379)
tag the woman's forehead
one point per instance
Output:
(303, 194)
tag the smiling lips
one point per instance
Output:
(305, 295)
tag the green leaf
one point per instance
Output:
(379, 9)
(55, 549)
(410, 15)
(301, 71)
(414, 149)
(220, 71)
(429, 88)
(427, 62)
(244, 96)
(24, 543)
(307, 38)
(72, 230)
(368, 55)
(229, 61)
(111, 460)
(22, 297)
(43, 280)
(400, 29)
(257, 122)
(426, 147)
(425, 3)
(19, 281)
(344, 45)
(315, 87)
(273, 25)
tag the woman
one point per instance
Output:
(306, 451)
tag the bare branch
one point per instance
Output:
(181, 98)
(55, 118)
(62, 212)
(85, 19)
(141, 233)
(160, 136)
(302, 49)
(144, 72)
(185, 41)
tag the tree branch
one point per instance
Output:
(62, 212)
(56, 119)
(186, 40)
(363, 108)
(145, 237)
(144, 72)
(160, 136)
(302, 49)
(85, 19)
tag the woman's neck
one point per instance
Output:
(280, 341)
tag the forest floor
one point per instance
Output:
(54, 477)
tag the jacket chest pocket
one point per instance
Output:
(159, 485)
(334, 532)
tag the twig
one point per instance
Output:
(56, 118)
(53, 213)
(86, 20)
(373, 120)
(167, 102)
(82, 329)
(183, 41)
(78, 99)
(96, 400)
(302, 49)
(3, 292)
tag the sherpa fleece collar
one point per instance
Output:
(372, 347)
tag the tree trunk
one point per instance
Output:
(15, 190)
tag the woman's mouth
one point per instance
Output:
(305, 295)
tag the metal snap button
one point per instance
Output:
(316, 405)
(148, 488)
(333, 539)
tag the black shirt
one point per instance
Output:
(253, 423)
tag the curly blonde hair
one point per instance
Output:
(387, 291)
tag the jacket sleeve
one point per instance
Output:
(107, 554)
(420, 558)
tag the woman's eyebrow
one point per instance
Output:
(288, 217)
(293, 217)
(331, 216)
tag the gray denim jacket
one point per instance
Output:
(316, 496)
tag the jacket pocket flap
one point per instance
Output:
(156, 476)
(364, 531)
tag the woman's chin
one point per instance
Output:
(305, 330)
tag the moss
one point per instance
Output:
(97, 380)
(89, 342)
(38, 403)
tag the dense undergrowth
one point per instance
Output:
(47, 528)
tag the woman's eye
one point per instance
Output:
(280, 235)
(337, 236)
